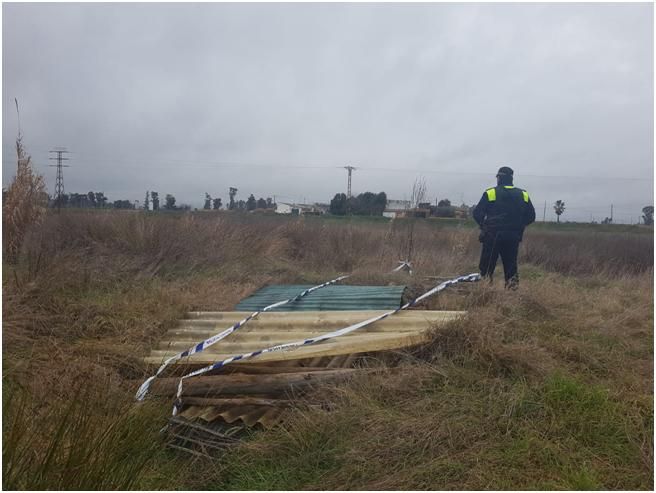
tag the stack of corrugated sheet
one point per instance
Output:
(268, 329)
(260, 391)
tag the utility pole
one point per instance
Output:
(348, 189)
(611, 213)
(544, 212)
(59, 183)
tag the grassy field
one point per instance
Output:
(548, 387)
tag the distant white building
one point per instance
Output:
(395, 208)
(286, 208)
(397, 205)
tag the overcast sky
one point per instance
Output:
(274, 99)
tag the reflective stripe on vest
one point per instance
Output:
(491, 194)
(525, 195)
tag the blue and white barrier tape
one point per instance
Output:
(201, 346)
(404, 264)
(280, 347)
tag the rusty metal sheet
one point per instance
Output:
(267, 417)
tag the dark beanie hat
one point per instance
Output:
(505, 171)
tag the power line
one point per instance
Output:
(312, 166)
(371, 169)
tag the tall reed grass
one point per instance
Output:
(25, 204)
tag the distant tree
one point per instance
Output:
(155, 197)
(92, 198)
(648, 215)
(170, 202)
(208, 202)
(123, 204)
(85, 201)
(380, 202)
(4, 195)
(64, 200)
(216, 204)
(559, 208)
(232, 194)
(261, 203)
(269, 203)
(444, 203)
(381, 199)
(183, 207)
(607, 220)
(338, 204)
(445, 210)
(76, 200)
(251, 203)
(364, 204)
(101, 200)
(147, 201)
(369, 204)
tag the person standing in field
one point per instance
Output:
(502, 214)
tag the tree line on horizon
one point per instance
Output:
(364, 204)
(374, 204)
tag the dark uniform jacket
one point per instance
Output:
(503, 212)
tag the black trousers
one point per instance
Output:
(507, 248)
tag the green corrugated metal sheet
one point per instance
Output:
(328, 298)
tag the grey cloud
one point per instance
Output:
(148, 96)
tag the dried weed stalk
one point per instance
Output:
(25, 204)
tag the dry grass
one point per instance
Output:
(25, 204)
(531, 391)
(91, 292)
(95, 440)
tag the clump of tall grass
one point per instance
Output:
(25, 204)
(92, 442)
